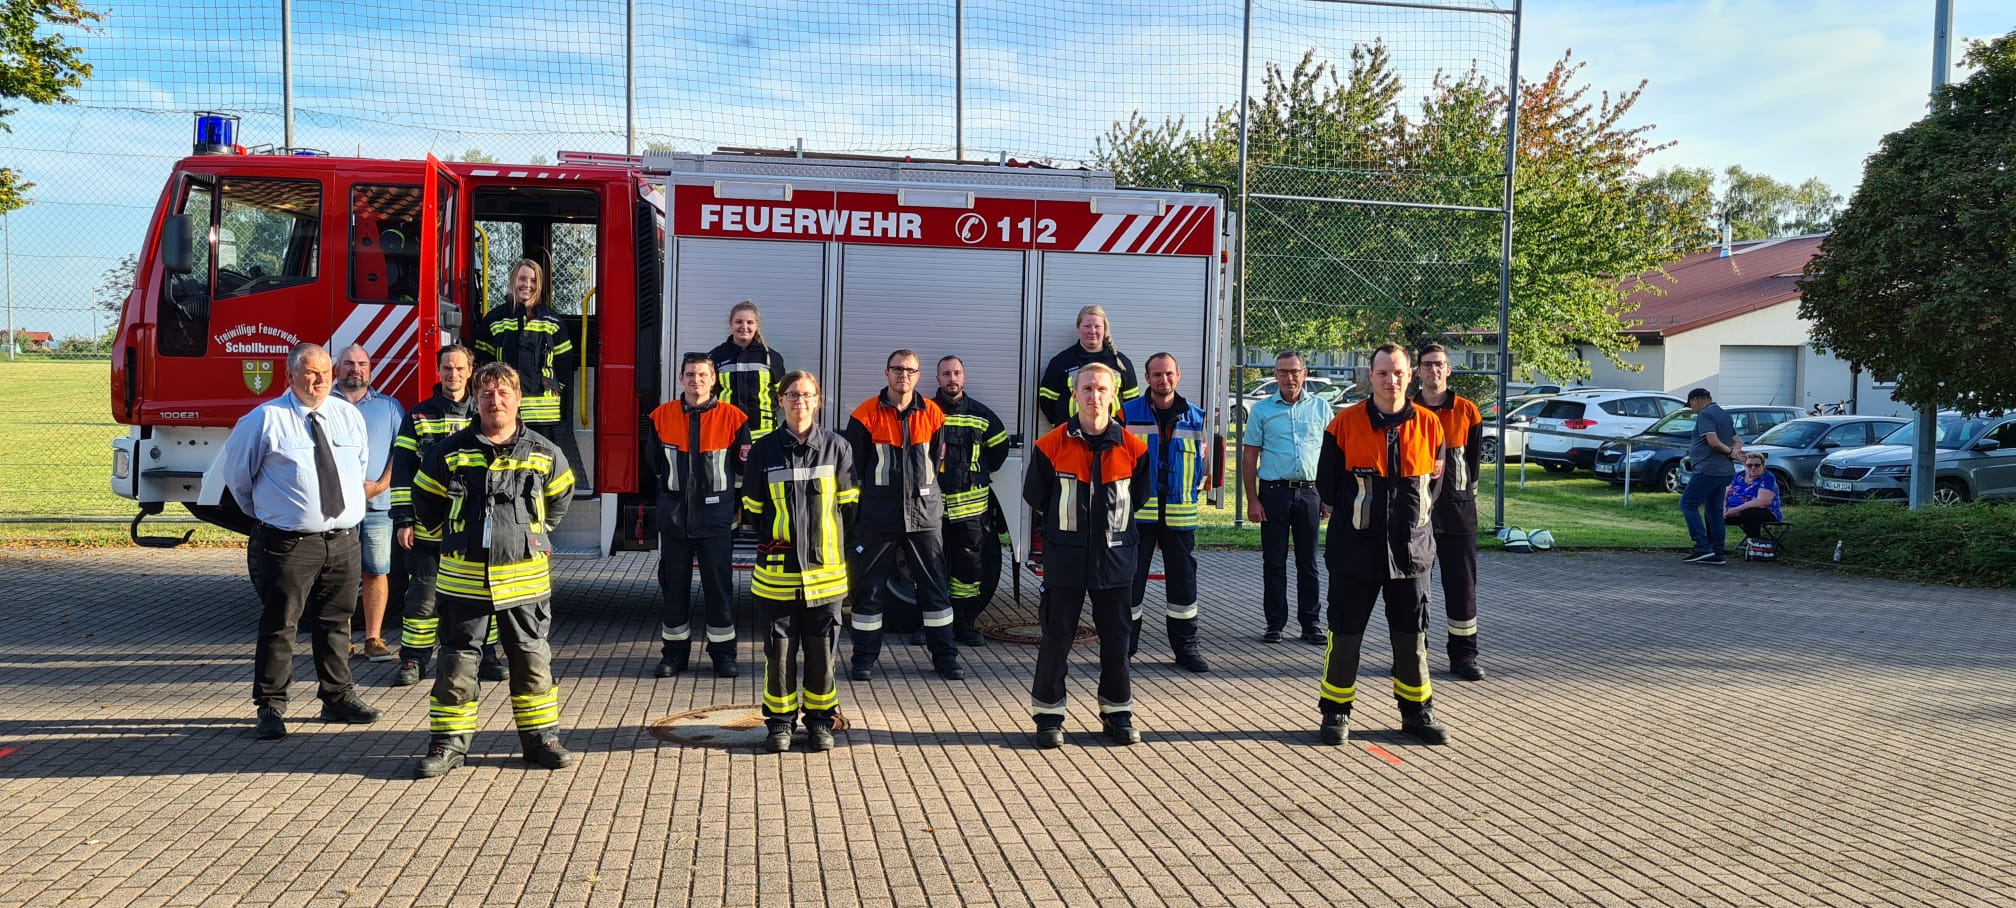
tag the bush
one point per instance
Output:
(1964, 545)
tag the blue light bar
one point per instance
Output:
(216, 133)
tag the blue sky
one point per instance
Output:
(1792, 89)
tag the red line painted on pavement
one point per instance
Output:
(8, 751)
(1384, 754)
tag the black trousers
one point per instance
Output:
(1292, 513)
(1179, 584)
(1351, 604)
(792, 630)
(1457, 554)
(1059, 614)
(924, 551)
(963, 539)
(716, 555)
(1753, 522)
(296, 574)
(525, 631)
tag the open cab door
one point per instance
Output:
(440, 314)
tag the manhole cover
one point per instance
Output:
(1032, 633)
(736, 727)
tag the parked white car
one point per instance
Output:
(1514, 440)
(1595, 416)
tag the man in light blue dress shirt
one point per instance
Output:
(1284, 438)
(382, 416)
(296, 464)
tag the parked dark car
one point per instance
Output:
(1793, 450)
(1659, 467)
(1976, 458)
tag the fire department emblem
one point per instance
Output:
(258, 375)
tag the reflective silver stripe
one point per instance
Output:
(671, 469)
(938, 617)
(720, 634)
(676, 634)
(1459, 471)
(1188, 434)
(1361, 510)
(1180, 612)
(1067, 503)
(1421, 489)
(795, 474)
(1135, 614)
(1041, 708)
(884, 459)
(1105, 707)
(745, 367)
(1120, 506)
(1463, 628)
(717, 466)
(867, 622)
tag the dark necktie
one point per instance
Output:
(328, 483)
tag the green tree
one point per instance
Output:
(116, 284)
(1685, 196)
(1918, 278)
(37, 66)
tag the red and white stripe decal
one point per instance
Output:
(391, 336)
(1141, 233)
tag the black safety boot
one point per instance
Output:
(1120, 729)
(444, 754)
(861, 672)
(272, 726)
(949, 669)
(917, 637)
(493, 667)
(1418, 721)
(1336, 727)
(819, 734)
(779, 739)
(965, 633)
(1189, 660)
(543, 748)
(677, 654)
(348, 707)
(725, 667)
(1468, 671)
(410, 672)
(1049, 732)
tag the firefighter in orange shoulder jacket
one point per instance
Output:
(897, 452)
(1456, 507)
(703, 439)
(1083, 480)
(1378, 475)
(799, 491)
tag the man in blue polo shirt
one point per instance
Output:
(382, 416)
(1284, 437)
(296, 465)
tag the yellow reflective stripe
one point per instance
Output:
(965, 421)
(829, 523)
(542, 408)
(402, 495)
(1413, 694)
(780, 523)
(848, 496)
(535, 711)
(419, 633)
(964, 590)
(825, 701)
(406, 442)
(503, 585)
(429, 484)
(1049, 393)
(451, 720)
(1335, 694)
(787, 703)
(999, 439)
(752, 505)
(558, 487)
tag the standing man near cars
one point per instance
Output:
(495, 491)
(1455, 515)
(1715, 451)
(1284, 438)
(449, 411)
(1381, 462)
(703, 442)
(897, 457)
(976, 445)
(296, 465)
(1173, 429)
(382, 417)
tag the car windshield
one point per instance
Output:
(1677, 424)
(1955, 431)
(1794, 434)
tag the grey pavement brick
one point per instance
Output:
(1774, 736)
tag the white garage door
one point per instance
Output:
(787, 281)
(1759, 375)
(1154, 302)
(964, 302)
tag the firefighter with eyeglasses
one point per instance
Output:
(494, 491)
(1379, 474)
(798, 489)
(449, 411)
(976, 445)
(1173, 429)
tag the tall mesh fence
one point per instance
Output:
(987, 79)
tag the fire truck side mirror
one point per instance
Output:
(175, 239)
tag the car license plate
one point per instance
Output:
(1606, 468)
(1836, 485)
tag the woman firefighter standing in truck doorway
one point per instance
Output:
(749, 371)
(1095, 345)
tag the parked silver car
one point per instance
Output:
(1793, 450)
(1976, 459)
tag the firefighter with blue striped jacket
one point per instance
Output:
(494, 491)
(1173, 429)
(449, 411)
(798, 489)
(976, 445)
(703, 441)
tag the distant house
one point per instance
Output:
(1730, 323)
(39, 341)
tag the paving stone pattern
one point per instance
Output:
(1652, 733)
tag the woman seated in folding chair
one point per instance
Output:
(1753, 498)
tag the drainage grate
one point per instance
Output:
(1032, 633)
(737, 726)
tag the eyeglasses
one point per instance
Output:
(799, 395)
(901, 371)
(1289, 371)
(1753, 466)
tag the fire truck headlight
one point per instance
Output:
(122, 464)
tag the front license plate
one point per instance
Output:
(1836, 485)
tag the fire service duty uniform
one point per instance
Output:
(1084, 488)
(1455, 520)
(976, 445)
(896, 458)
(801, 496)
(539, 347)
(749, 377)
(425, 426)
(1178, 473)
(493, 506)
(1378, 474)
(1053, 393)
(702, 450)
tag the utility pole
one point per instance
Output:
(287, 73)
(1924, 441)
(7, 223)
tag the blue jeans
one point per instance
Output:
(375, 534)
(1702, 503)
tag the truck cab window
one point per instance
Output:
(250, 236)
(384, 243)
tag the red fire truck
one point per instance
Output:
(849, 258)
